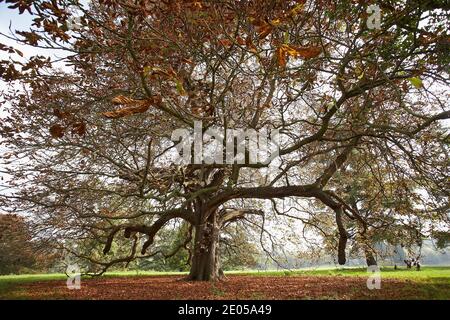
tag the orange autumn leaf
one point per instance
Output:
(225, 42)
(123, 100)
(133, 106)
(262, 27)
(128, 111)
(264, 31)
(307, 52)
(281, 57)
(240, 41)
(250, 46)
(286, 50)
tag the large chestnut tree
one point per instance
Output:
(88, 135)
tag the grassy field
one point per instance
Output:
(429, 283)
(426, 273)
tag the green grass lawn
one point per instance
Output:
(426, 273)
(434, 281)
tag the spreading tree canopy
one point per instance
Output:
(359, 107)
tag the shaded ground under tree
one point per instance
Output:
(235, 287)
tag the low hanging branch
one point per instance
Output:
(150, 231)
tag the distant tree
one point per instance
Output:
(390, 206)
(237, 249)
(16, 249)
(175, 245)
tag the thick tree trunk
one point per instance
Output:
(343, 237)
(205, 264)
(370, 259)
(342, 244)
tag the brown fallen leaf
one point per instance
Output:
(233, 287)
